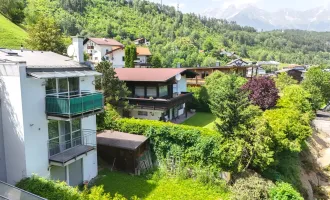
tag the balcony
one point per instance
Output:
(159, 103)
(68, 106)
(66, 148)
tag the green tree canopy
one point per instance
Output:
(114, 90)
(317, 83)
(46, 35)
(283, 80)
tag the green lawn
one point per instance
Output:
(11, 35)
(153, 189)
(201, 119)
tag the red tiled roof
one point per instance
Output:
(148, 74)
(143, 51)
(114, 49)
(106, 41)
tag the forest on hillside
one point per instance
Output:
(188, 39)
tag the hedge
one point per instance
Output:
(55, 190)
(194, 146)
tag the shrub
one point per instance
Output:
(284, 191)
(200, 99)
(252, 187)
(55, 190)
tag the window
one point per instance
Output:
(142, 113)
(163, 91)
(74, 85)
(51, 86)
(151, 92)
(180, 107)
(106, 51)
(106, 57)
(95, 58)
(123, 58)
(139, 91)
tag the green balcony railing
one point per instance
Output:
(70, 105)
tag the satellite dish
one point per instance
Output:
(70, 50)
(178, 77)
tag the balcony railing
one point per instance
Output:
(73, 104)
(160, 104)
(66, 147)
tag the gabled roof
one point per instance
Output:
(104, 41)
(143, 51)
(234, 62)
(151, 74)
(115, 49)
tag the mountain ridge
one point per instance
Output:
(314, 19)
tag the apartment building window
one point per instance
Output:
(163, 91)
(139, 91)
(51, 86)
(142, 113)
(151, 91)
(63, 86)
(63, 135)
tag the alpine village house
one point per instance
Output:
(114, 52)
(48, 115)
(156, 93)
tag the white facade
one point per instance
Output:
(117, 58)
(25, 122)
(25, 126)
(142, 59)
(100, 51)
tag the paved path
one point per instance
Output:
(323, 139)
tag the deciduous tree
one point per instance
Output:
(262, 92)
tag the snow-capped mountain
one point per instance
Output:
(317, 19)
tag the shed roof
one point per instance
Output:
(120, 139)
(105, 41)
(150, 74)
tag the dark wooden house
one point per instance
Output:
(156, 93)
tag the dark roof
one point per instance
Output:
(105, 41)
(234, 61)
(151, 74)
(120, 139)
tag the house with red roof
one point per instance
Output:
(109, 49)
(156, 93)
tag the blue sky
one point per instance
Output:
(198, 6)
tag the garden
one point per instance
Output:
(255, 130)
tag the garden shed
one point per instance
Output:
(124, 151)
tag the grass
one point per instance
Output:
(157, 188)
(11, 35)
(201, 119)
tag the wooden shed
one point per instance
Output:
(123, 151)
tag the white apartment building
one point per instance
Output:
(109, 49)
(48, 104)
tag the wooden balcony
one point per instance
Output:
(159, 103)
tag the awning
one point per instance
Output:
(63, 74)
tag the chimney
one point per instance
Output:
(217, 64)
(77, 42)
(178, 65)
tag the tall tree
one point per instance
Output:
(46, 35)
(317, 83)
(238, 120)
(114, 90)
(156, 61)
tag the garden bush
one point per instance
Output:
(284, 191)
(252, 187)
(55, 190)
